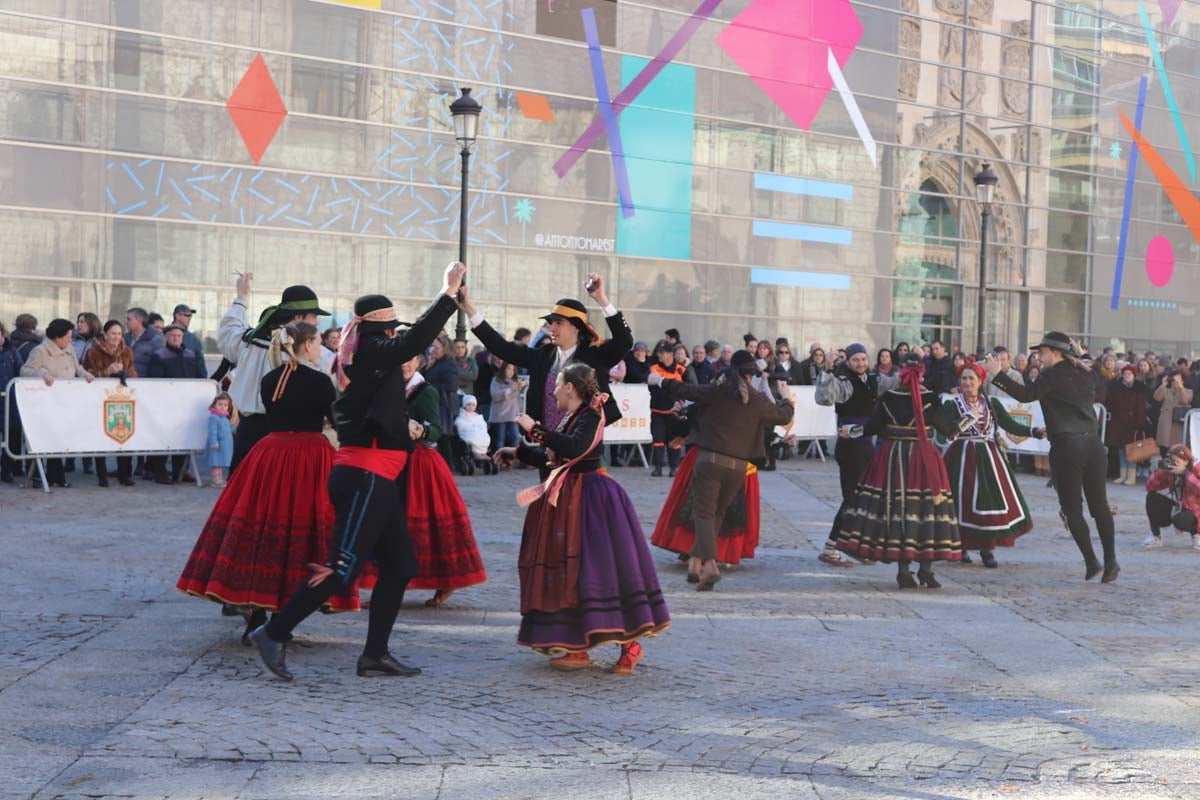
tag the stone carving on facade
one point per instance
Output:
(910, 46)
(951, 77)
(1014, 63)
(981, 10)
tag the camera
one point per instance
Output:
(1166, 464)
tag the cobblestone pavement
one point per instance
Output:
(792, 680)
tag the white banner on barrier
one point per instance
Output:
(1191, 424)
(634, 425)
(148, 415)
(1027, 414)
(810, 421)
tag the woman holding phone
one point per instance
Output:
(1077, 457)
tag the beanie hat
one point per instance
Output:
(854, 350)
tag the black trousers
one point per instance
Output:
(369, 513)
(124, 468)
(660, 430)
(1079, 464)
(250, 430)
(853, 456)
(1161, 512)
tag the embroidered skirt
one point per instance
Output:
(991, 510)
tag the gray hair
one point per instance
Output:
(139, 314)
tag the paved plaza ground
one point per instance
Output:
(792, 680)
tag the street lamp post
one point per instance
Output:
(465, 111)
(985, 189)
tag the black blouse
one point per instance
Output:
(306, 403)
(573, 437)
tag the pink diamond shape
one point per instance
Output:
(1169, 8)
(256, 108)
(783, 46)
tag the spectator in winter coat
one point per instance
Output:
(10, 367)
(182, 316)
(1173, 496)
(794, 372)
(87, 329)
(940, 377)
(812, 367)
(25, 336)
(701, 364)
(52, 359)
(468, 370)
(173, 360)
(506, 406)
(142, 339)
(110, 357)
(637, 367)
(1126, 404)
(1173, 393)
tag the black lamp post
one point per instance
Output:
(985, 190)
(465, 111)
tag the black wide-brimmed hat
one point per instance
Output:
(567, 308)
(377, 313)
(574, 312)
(301, 299)
(743, 362)
(1058, 341)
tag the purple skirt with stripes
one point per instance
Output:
(619, 598)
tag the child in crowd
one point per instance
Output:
(472, 428)
(222, 419)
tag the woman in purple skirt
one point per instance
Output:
(587, 577)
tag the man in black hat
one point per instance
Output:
(372, 423)
(573, 339)
(248, 348)
(1078, 460)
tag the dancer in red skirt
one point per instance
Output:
(274, 516)
(447, 556)
(738, 534)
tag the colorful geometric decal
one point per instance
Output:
(1160, 260)
(635, 87)
(256, 108)
(412, 191)
(1169, 9)
(658, 134)
(1119, 273)
(1184, 201)
(600, 82)
(376, 4)
(1172, 106)
(535, 106)
(783, 46)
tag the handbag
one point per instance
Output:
(1141, 449)
(1178, 415)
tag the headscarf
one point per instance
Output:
(349, 342)
(911, 376)
(973, 366)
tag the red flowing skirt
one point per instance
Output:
(447, 555)
(738, 536)
(272, 520)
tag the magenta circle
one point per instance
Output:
(1160, 260)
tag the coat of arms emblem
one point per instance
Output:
(119, 410)
(1024, 415)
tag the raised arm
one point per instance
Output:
(233, 325)
(620, 340)
(1024, 393)
(388, 353)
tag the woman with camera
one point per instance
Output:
(1078, 460)
(1173, 496)
(1176, 399)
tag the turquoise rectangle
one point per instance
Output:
(804, 280)
(802, 233)
(657, 131)
(782, 183)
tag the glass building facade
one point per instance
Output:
(788, 167)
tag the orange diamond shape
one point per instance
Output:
(256, 108)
